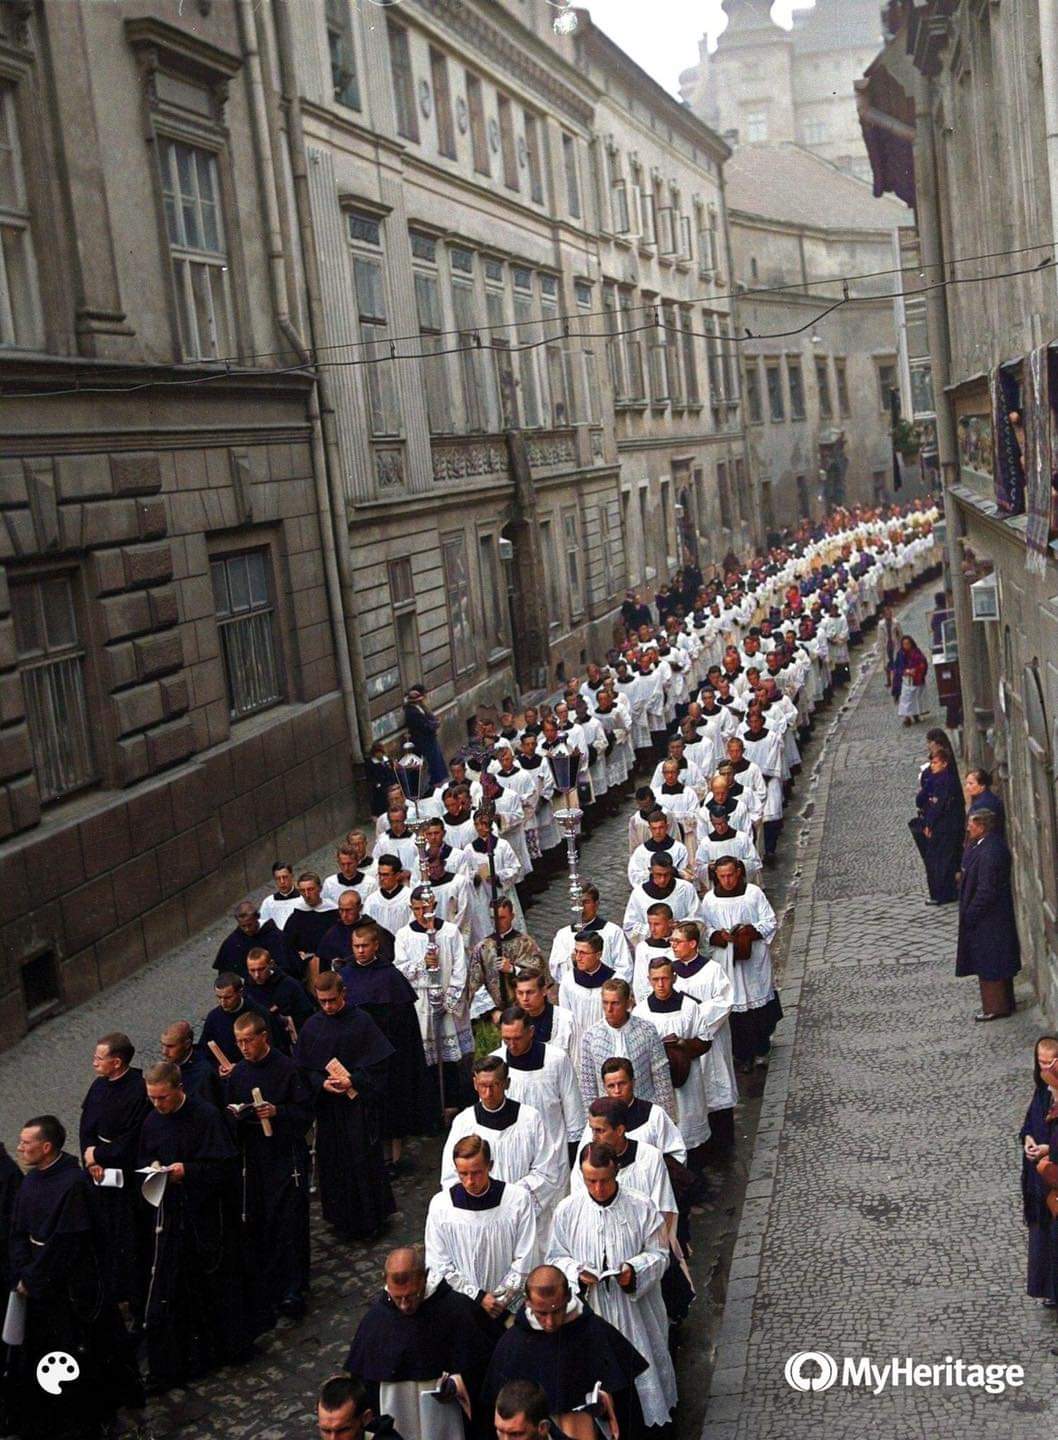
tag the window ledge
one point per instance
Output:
(630, 405)
(667, 260)
(683, 266)
(498, 657)
(659, 405)
(646, 249)
(695, 405)
(623, 242)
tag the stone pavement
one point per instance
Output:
(883, 1213)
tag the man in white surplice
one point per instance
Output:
(524, 1151)
(606, 1229)
(679, 1018)
(481, 1233)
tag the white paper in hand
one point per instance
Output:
(153, 1188)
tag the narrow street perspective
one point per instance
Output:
(883, 1212)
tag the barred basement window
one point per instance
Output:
(51, 663)
(246, 621)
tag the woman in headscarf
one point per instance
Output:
(939, 828)
(909, 679)
(1035, 1144)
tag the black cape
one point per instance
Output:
(274, 1191)
(112, 1115)
(234, 950)
(408, 1104)
(303, 932)
(337, 944)
(219, 1026)
(355, 1195)
(281, 997)
(448, 1332)
(567, 1363)
(194, 1317)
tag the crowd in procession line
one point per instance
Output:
(555, 1250)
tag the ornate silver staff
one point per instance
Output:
(565, 765)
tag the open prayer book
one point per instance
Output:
(603, 1274)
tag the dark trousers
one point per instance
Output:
(771, 836)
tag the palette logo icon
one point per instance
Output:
(56, 1370)
(811, 1361)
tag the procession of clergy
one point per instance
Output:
(554, 1266)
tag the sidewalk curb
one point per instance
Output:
(732, 1345)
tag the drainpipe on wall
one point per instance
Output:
(333, 515)
(262, 135)
(1048, 21)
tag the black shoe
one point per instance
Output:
(984, 1016)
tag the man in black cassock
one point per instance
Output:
(57, 1271)
(198, 1071)
(249, 934)
(219, 1024)
(355, 1194)
(278, 996)
(567, 1349)
(988, 944)
(336, 947)
(417, 1330)
(111, 1116)
(408, 1104)
(193, 1313)
(307, 923)
(275, 1173)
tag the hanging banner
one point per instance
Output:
(1039, 463)
(1009, 475)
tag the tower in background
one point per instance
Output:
(767, 84)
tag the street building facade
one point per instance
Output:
(983, 177)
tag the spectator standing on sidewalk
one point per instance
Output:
(939, 828)
(988, 937)
(1035, 1141)
(909, 680)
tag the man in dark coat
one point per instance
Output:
(988, 936)
(939, 829)
(278, 995)
(417, 1329)
(979, 792)
(218, 1028)
(336, 947)
(275, 1172)
(422, 726)
(198, 1071)
(194, 1317)
(355, 1194)
(567, 1349)
(58, 1272)
(112, 1115)
(249, 934)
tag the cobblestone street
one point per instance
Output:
(883, 1213)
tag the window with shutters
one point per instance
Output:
(614, 348)
(571, 535)
(529, 360)
(619, 207)
(773, 380)
(672, 353)
(690, 358)
(797, 387)
(457, 595)
(826, 408)
(716, 374)
(499, 341)
(507, 144)
(434, 369)
(667, 230)
(476, 368)
(569, 162)
(551, 585)
(887, 382)
(686, 249)
(369, 284)
(403, 80)
(493, 596)
(197, 249)
(842, 381)
(51, 664)
(723, 495)
(554, 351)
(633, 333)
(339, 20)
(20, 322)
(756, 413)
(479, 140)
(404, 609)
(532, 158)
(245, 610)
(442, 104)
(658, 363)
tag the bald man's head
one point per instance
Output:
(176, 1041)
(405, 1278)
(547, 1296)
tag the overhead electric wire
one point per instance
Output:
(566, 334)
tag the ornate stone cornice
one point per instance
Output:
(514, 59)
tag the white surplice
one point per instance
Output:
(751, 979)
(441, 993)
(482, 1250)
(686, 1023)
(682, 901)
(552, 1089)
(615, 951)
(643, 1170)
(628, 1231)
(392, 911)
(713, 990)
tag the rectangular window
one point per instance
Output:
(648, 209)
(550, 557)
(403, 80)
(666, 225)
(773, 379)
(493, 594)
(804, 505)
(51, 665)
(558, 380)
(245, 612)
(690, 359)
(500, 344)
(343, 58)
(532, 159)
(741, 497)
(797, 388)
(685, 237)
(507, 145)
(672, 353)
(614, 349)
(729, 360)
(716, 374)
(479, 140)
(19, 299)
(755, 127)
(659, 369)
(457, 593)
(477, 373)
(434, 369)
(405, 621)
(887, 382)
(527, 332)
(571, 534)
(381, 380)
(723, 495)
(841, 376)
(191, 195)
(619, 207)
(442, 104)
(815, 132)
(569, 161)
(756, 413)
(826, 408)
(633, 349)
